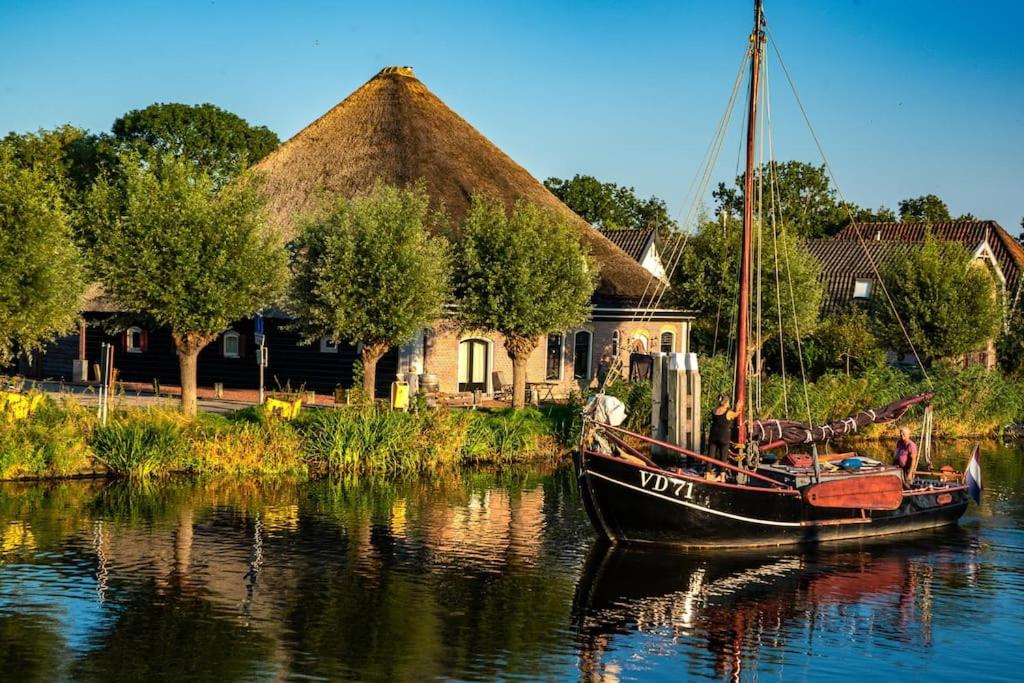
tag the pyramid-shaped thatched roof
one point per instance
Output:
(394, 130)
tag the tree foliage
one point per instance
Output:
(947, 302)
(844, 341)
(372, 271)
(189, 257)
(1010, 347)
(220, 143)
(806, 202)
(522, 274)
(41, 279)
(611, 207)
(928, 208)
(707, 281)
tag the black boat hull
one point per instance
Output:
(629, 503)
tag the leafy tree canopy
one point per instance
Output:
(371, 272)
(192, 258)
(220, 143)
(845, 341)
(42, 280)
(707, 281)
(611, 207)
(806, 202)
(928, 208)
(522, 274)
(947, 302)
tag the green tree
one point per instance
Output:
(522, 274)
(41, 278)
(845, 340)
(707, 281)
(806, 202)
(1010, 347)
(220, 143)
(189, 257)
(927, 208)
(68, 156)
(946, 300)
(611, 207)
(371, 273)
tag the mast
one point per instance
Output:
(742, 317)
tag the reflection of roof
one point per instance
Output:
(394, 130)
(1008, 251)
(634, 242)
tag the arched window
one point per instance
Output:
(615, 344)
(474, 363)
(668, 342)
(232, 344)
(581, 355)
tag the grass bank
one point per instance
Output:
(969, 402)
(63, 439)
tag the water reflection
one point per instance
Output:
(474, 577)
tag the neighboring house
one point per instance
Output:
(984, 239)
(850, 279)
(643, 246)
(394, 130)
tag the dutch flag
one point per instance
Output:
(973, 475)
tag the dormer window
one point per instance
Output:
(133, 340)
(232, 345)
(862, 289)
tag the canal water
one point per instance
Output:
(480, 577)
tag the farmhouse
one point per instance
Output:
(393, 130)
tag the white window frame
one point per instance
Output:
(328, 345)
(867, 284)
(237, 353)
(133, 340)
(561, 358)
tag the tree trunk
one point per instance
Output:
(519, 350)
(370, 355)
(189, 344)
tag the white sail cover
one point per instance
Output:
(607, 410)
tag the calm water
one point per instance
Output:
(480, 577)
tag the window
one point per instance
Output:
(615, 344)
(133, 342)
(328, 345)
(474, 363)
(554, 368)
(581, 355)
(667, 342)
(232, 345)
(862, 289)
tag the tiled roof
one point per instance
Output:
(634, 241)
(843, 262)
(971, 234)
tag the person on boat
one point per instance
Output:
(723, 423)
(905, 454)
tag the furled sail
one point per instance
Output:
(774, 433)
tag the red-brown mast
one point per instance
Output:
(742, 318)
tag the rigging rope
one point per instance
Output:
(846, 205)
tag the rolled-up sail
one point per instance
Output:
(774, 433)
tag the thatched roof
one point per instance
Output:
(394, 130)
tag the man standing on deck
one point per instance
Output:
(906, 453)
(723, 422)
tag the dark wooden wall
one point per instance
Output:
(290, 363)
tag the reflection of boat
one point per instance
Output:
(729, 605)
(630, 498)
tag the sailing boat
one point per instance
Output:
(763, 501)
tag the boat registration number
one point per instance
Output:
(659, 483)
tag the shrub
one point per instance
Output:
(138, 445)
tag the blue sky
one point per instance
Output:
(908, 96)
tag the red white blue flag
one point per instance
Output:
(973, 475)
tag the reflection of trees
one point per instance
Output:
(30, 648)
(169, 635)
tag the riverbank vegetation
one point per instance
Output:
(63, 439)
